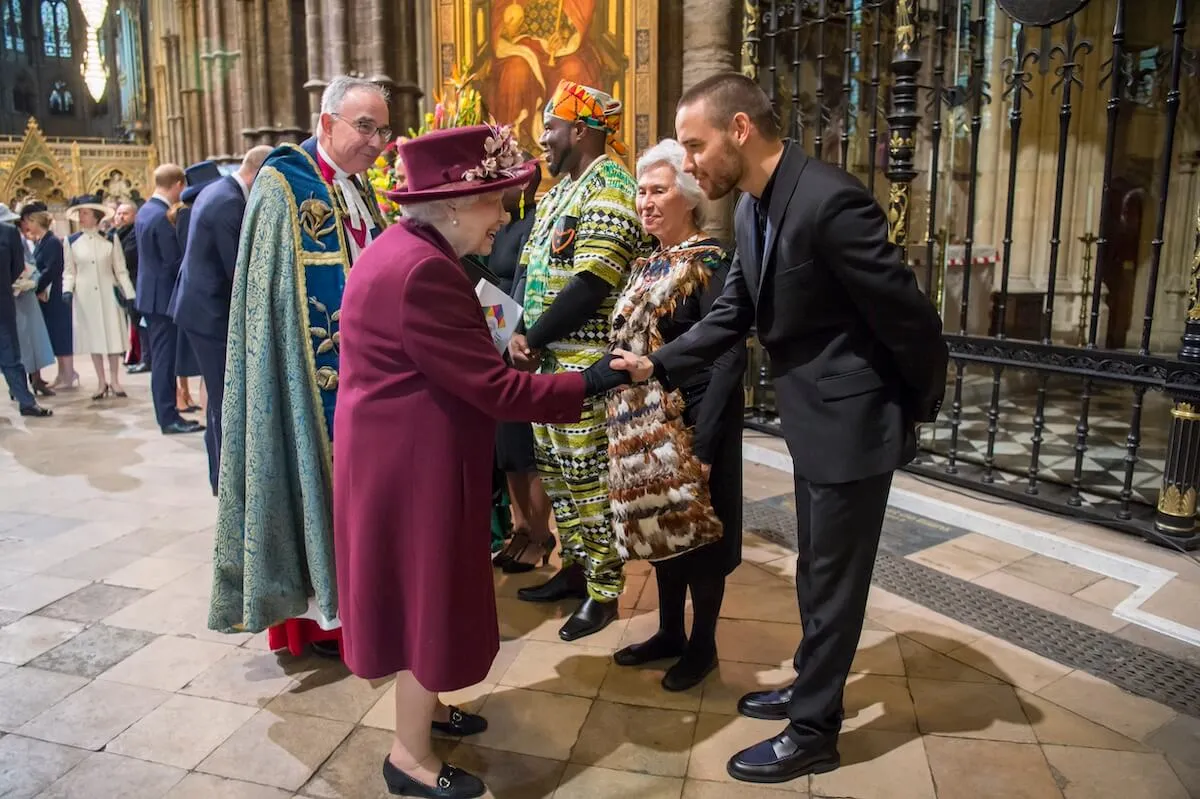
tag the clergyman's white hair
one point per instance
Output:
(335, 93)
(671, 153)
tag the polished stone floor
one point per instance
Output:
(111, 686)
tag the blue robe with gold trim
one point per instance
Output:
(274, 535)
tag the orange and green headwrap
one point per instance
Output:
(596, 109)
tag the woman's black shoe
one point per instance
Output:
(515, 545)
(452, 783)
(461, 724)
(517, 566)
(657, 647)
(689, 672)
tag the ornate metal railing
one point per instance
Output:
(1041, 408)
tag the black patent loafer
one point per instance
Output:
(461, 724)
(766, 705)
(452, 783)
(591, 617)
(327, 649)
(782, 759)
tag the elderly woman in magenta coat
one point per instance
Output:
(421, 388)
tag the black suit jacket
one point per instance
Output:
(212, 230)
(12, 264)
(856, 349)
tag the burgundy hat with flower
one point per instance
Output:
(459, 162)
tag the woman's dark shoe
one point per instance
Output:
(591, 617)
(660, 646)
(36, 411)
(516, 564)
(327, 649)
(689, 672)
(41, 387)
(461, 724)
(452, 783)
(515, 545)
(105, 391)
(119, 393)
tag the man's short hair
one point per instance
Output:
(335, 93)
(731, 93)
(167, 175)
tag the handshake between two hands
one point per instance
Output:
(616, 369)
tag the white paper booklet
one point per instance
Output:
(501, 312)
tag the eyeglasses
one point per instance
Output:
(366, 128)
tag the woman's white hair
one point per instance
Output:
(438, 212)
(671, 153)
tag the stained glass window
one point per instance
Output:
(56, 29)
(14, 29)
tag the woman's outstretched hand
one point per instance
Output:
(639, 367)
(600, 377)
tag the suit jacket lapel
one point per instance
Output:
(791, 165)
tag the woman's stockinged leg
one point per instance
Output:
(671, 638)
(412, 748)
(708, 591)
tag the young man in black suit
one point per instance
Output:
(857, 359)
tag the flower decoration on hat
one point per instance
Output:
(500, 154)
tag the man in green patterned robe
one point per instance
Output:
(585, 237)
(308, 216)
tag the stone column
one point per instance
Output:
(397, 57)
(709, 30)
(337, 46)
(251, 79)
(314, 19)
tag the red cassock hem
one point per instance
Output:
(295, 635)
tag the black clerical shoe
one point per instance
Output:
(327, 649)
(452, 783)
(569, 583)
(767, 705)
(461, 724)
(782, 759)
(138, 368)
(591, 617)
(36, 411)
(181, 427)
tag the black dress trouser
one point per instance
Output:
(837, 529)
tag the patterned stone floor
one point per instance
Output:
(110, 685)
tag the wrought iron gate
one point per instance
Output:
(985, 119)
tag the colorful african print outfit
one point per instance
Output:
(590, 225)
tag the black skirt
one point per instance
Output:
(514, 448)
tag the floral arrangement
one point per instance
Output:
(386, 175)
(458, 106)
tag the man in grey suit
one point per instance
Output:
(200, 303)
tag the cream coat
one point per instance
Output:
(92, 267)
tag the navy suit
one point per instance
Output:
(159, 256)
(200, 306)
(12, 264)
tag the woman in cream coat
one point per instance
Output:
(93, 275)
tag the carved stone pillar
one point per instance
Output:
(397, 54)
(711, 49)
(250, 78)
(314, 19)
(337, 47)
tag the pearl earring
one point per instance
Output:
(454, 222)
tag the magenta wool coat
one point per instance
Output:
(420, 390)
